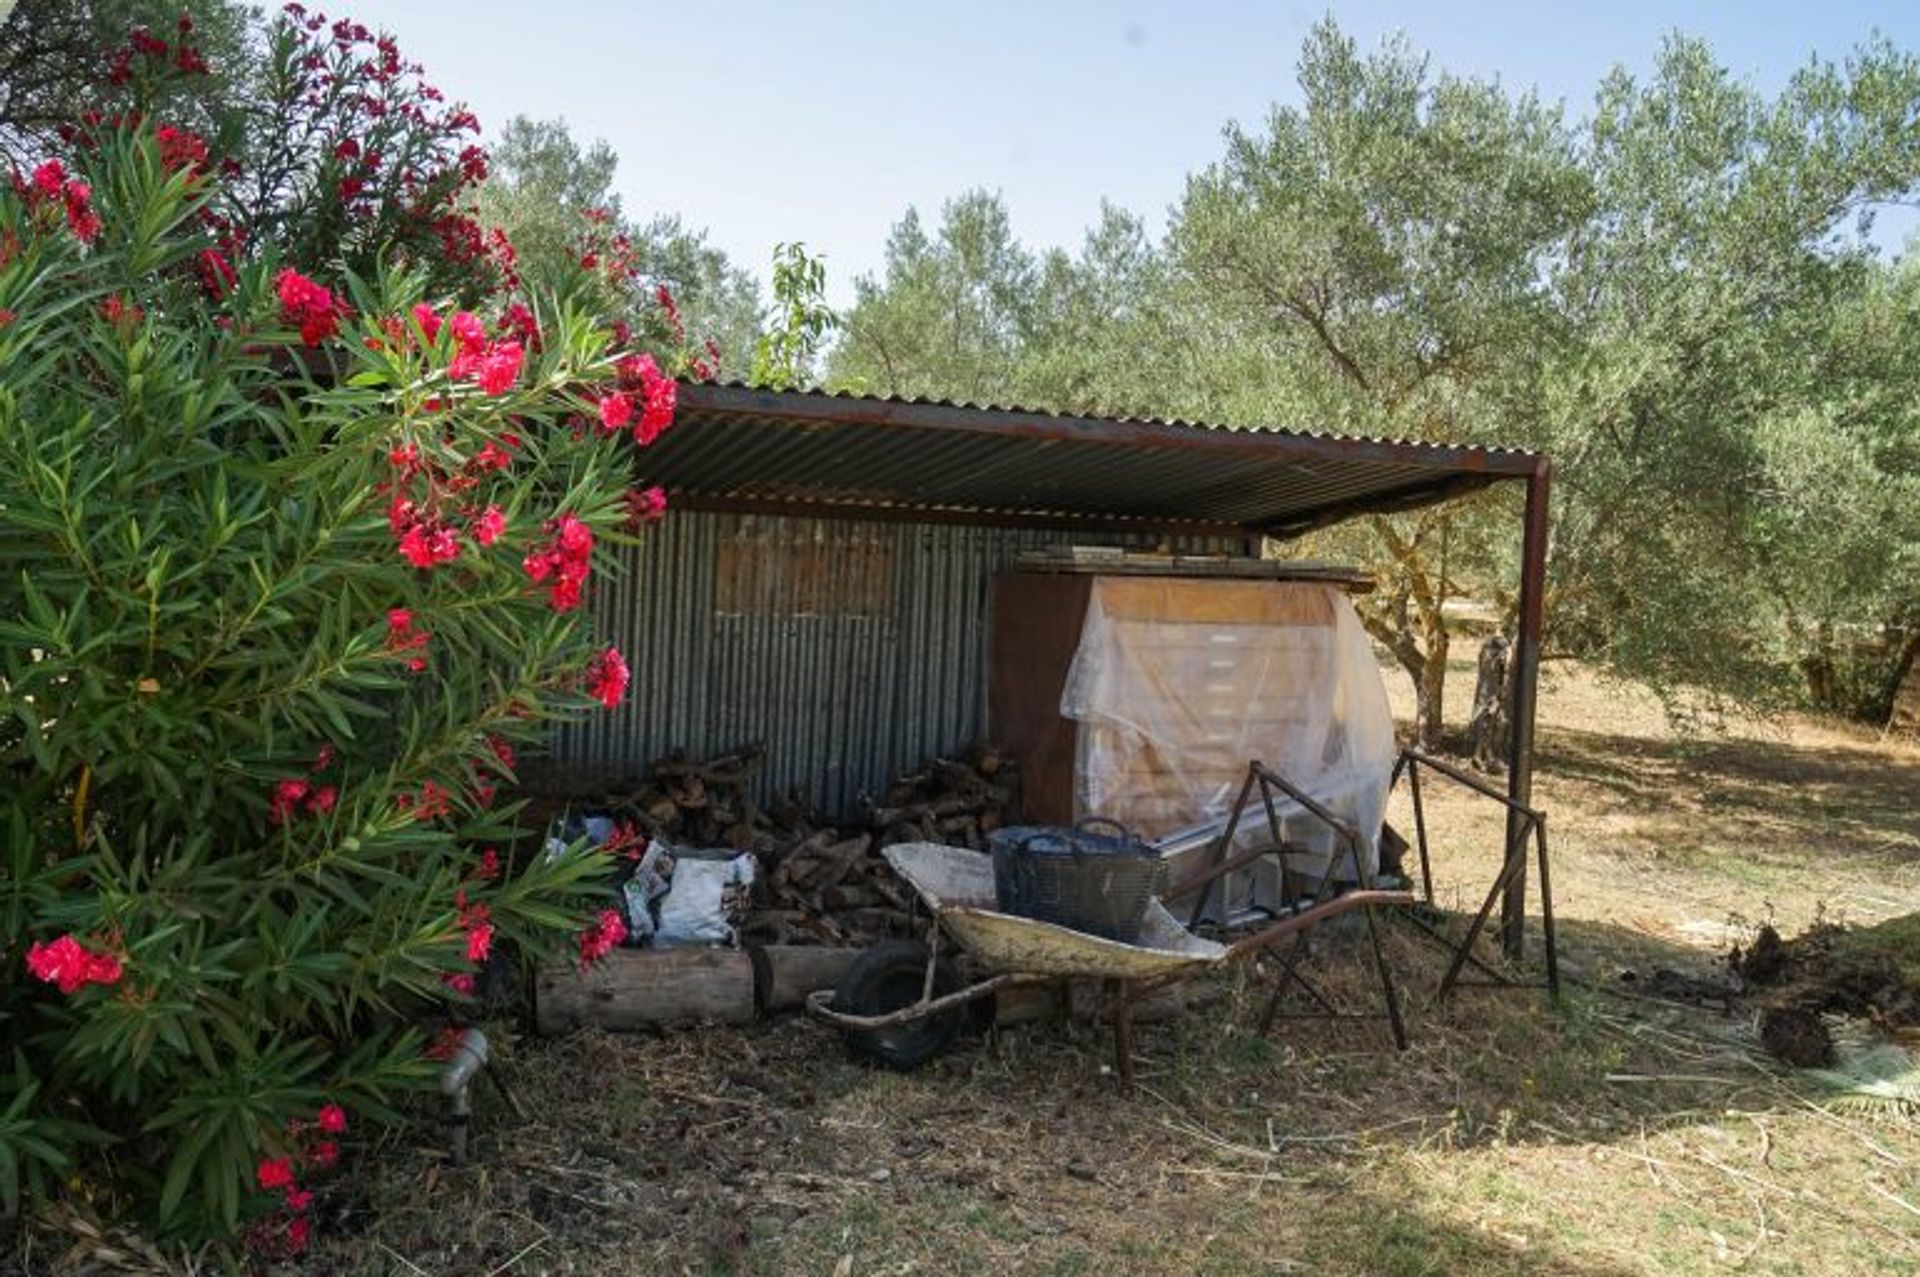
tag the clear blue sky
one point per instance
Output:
(822, 122)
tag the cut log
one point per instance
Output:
(640, 988)
(784, 974)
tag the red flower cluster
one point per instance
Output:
(305, 305)
(117, 310)
(181, 149)
(644, 506)
(291, 796)
(659, 394)
(424, 540)
(492, 365)
(69, 964)
(477, 921)
(402, 637)
(445, 1043)
(489, 869)
(607, 677)
(489, 524)
(565, 561)
(276, 1175)
(217, 275)
(51, 184)
(602, 937)
(144, 45)
(518, 323)
(432, 803)
(616, 410)
(626, 841)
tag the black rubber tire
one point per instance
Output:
(885, 978)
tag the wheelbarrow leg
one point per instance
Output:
(1121, 991)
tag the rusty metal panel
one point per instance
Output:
(853, 648)
(745, 450)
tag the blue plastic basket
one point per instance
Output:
(1098, 883)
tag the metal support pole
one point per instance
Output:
(1526, 678)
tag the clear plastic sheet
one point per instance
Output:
(1177, 684)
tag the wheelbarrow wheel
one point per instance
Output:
(888, 977)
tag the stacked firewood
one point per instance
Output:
(819, 883)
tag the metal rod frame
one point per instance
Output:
(1526, 682)
(1366, 897)
(1523, 823)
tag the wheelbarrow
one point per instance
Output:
(897, 1004)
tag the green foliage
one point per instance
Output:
(783, 357)
(219, 770)
(52, 53)
(542, 187)
(1673, 297)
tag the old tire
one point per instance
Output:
(886, 978)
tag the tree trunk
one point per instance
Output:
(1430, 687)
(1492, 699)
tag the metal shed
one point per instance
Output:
(822, 581)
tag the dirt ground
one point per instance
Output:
(1619, 1133)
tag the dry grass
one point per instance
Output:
(1607, 1136)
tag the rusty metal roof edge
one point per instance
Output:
(918, 413)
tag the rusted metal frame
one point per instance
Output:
(1390, 501)
(1122, 994)
(1546, 905)
(1346, 832)
(1403, 763)
(1268, 777)
(818, 1008)
(1509, 868)
(933, 963)
(1290, 971)
(1526, 655)
(1532, 824)
(1420, 833)
(804, 406)
(1447, 947)
(714, 503)
(1208, 877)
(1220, 846)
(1467, 778)
(1281, 928)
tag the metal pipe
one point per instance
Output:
(456, 1083)
(1526, 655)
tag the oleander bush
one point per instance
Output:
(295, 535)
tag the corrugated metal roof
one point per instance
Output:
(735, 447)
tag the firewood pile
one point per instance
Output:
(820, 883)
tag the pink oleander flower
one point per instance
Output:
(607, 677)
(489, 525)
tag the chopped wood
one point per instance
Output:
(819, 883)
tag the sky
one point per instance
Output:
(822, 122)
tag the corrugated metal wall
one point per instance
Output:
(853, 649)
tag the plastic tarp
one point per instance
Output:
(1178, 684)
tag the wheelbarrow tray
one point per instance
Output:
(957, 885)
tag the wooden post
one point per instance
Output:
(1526, 658)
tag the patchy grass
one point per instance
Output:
(1610, 1135)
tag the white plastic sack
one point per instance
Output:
(693, 912)
(1178, 684)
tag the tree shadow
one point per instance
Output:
(1771, 795)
